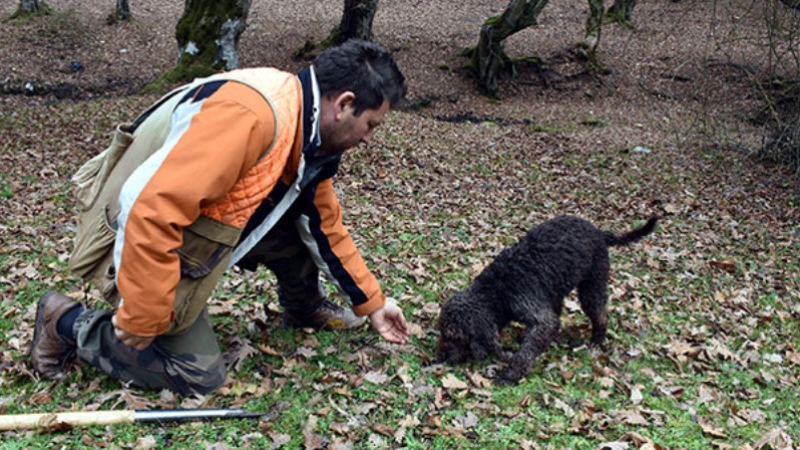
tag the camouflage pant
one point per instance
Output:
(191, 361)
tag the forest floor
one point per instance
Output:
(704, 345)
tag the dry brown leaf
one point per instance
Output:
(710, 429)
(312, 440)
(776, 439)
(341, 445)
(631, 417)
(194, 401)
(726, 265)
(636, 395)
(451, 382)
(305, 352)
(40, 398)
(615, 445)
(279, 440)
(479, 380)
(376, 377)
(266, 349)
(145, 443)
(240, 350)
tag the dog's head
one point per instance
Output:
(464, 332)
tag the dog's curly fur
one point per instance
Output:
(527, 283)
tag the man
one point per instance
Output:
(230, 170)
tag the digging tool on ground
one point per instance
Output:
(68, 420)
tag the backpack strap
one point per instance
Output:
(199, 82)
(143, 116)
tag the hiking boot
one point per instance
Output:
(327, 315)
(50, 353)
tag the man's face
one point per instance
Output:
(341, 129)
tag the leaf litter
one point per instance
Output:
(704, 313)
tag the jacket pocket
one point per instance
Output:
(93, 242)
(89, 180)
(207, 243)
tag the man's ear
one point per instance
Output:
(343, 101)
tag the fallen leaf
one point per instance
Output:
(376, 377)
(451, 382)
(727, 265)
(279, 440)
(710, 429)
(616, 445)
(479, 380)
(636, 395)
(311, 439)
(631, 417)
(305, 352)
(775, 439)
(145, 443)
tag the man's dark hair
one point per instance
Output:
(366, 69)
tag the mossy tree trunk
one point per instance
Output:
(31, 8)
(622, 10)
(356, 22)
(488, 59)
(594, 25)
(208, 37)
(123, 10)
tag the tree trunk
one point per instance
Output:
(622, 10)
(356, 22)
(489, 58)
(594, 25)
(123, 11)
(31, 7)
(208, 37)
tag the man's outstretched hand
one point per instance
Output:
(390, 323)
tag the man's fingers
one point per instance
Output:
(131, 340)
(395, 336)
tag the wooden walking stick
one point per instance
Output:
(68, 420)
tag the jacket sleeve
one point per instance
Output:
(211, 144)
(336, 254)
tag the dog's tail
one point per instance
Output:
(633, 235)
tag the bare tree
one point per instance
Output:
(594, 25)
(622, 10)
(123, 10)
(208, 36)
(31, 7)
(488, 59)
(356, 21)
(781, 85)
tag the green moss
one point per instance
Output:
(43, 10)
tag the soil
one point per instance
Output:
(666, 66)
(679, 78)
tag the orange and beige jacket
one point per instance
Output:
(239, 158)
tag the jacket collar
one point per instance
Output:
(311, 105)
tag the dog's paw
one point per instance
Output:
(507, 378)
(505, 382)
(597, 346)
